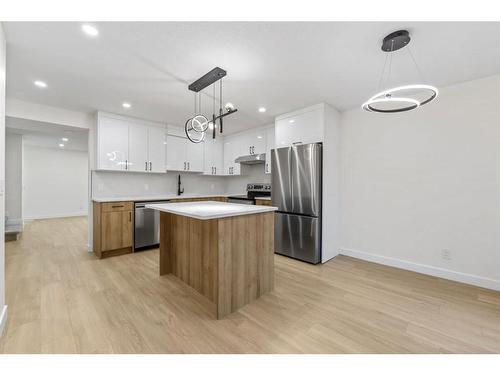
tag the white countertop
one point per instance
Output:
(210, 210)
(263, 198)
(157, 197)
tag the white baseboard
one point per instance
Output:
(14, 225)
(55, 216)
(443, 273)
(3, 320)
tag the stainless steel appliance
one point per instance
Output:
(253, 191)
(296, 191)
(147, 226)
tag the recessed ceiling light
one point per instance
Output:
(90, 30)
(40, 84)
(126, 105)
(262, 109)
(64, 139)
(61, 144)
(291, 121)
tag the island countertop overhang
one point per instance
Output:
(210, 210)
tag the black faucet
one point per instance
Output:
(179, 190)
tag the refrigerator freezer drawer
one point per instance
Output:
(298, 237)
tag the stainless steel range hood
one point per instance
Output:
(251, 159)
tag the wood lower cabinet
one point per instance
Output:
(114, 225)
(263, 202)
(113, 228)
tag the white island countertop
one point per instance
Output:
(210, 210)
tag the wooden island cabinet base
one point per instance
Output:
(228, 260)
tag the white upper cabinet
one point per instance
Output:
(269, 147)
(233, 146)
(214, 156)
(112, 144)
(176, 153)
(194, 156)
(128, 144)
(184, 155)
(253, 142)
(156, 150)
(300, 127)
(138, 148)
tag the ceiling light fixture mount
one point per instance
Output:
(401, 98)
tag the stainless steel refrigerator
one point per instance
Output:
(296, 191)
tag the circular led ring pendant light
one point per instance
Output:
(387, 96)
(193, 135)
(391, 43)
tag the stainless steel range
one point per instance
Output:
(253, 191)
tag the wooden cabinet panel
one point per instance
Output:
(113, 228)
(117, 206)
(127, 229)
(263, 202)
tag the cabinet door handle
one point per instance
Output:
(126, 164)
(146, 164)
(188, 165)
(117, 206)
(150, 166)
(215, 170)
(184, 165)
(130, 216)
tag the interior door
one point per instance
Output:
(306, 179)
(138, 148)
(281, 192)
(156, 150)
(298, 237)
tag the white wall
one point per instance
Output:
(3, 307)
(55, 182)
(13, 181)
(415, 183)
(331, 185)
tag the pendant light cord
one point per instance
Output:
(420, 75)
(380, 81)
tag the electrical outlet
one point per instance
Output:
(446, 254)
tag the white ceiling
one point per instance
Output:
(282, 66)
(43, 134)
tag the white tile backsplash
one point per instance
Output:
(129, 184)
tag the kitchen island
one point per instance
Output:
(225, 251)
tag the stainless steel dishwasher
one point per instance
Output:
(147, 226)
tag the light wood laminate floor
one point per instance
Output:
(64, 300)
